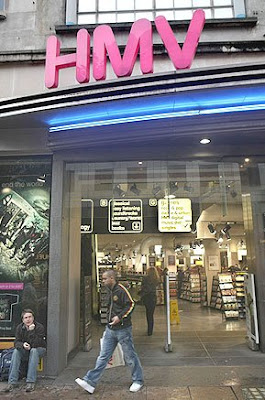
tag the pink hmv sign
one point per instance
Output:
(104, 42)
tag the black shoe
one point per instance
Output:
(9, 388)
(30, 387)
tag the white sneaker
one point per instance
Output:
(90, 389)
(135, 387)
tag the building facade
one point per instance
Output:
(134, 138)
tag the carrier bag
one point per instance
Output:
(117, 358)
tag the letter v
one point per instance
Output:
(181, 58)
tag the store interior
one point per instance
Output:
(204, 253)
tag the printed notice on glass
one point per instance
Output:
(87, 211)
(125, 216)
(174, 215)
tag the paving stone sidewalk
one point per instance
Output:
(71, 392)
(161, 383)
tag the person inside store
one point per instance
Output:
(30, 345)
(180, 280)
(148, 296)
(118, 330)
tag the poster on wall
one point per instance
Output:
(174, 215)
(24, 242)
(213, 263)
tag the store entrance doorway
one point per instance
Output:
(131, 255)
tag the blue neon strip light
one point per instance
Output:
(177, 105)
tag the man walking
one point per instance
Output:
(29, 345)
(118, 330)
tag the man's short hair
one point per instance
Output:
(111, 273)
(27, 310)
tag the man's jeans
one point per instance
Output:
(110, 341)
(32, 356)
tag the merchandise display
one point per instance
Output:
(172, 285)
(216, 297)
(240, 293)
(203, 286)
(160, 295)
(102, 297)
(224, 295)
(191, 287)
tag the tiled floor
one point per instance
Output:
(203, 338)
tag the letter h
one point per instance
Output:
(80, 59)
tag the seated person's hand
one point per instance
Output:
(26, 346)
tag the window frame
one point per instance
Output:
(73, 13)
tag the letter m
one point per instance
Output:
(181, 58)
(140, 38)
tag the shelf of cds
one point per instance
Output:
(229, 299)
(216, 297)
(103, 296)
(203, 289)
(160, 295)
(172, 285)
(185, 287)
(224, 295)
(240, 293)
(191, 287)
(195, 288)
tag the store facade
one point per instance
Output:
(137, 141)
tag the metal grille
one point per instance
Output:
(253, 393)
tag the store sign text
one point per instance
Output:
(104, 42)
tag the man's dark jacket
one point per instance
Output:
(121, 304)
(36, 337)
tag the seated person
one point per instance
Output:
(29, 345)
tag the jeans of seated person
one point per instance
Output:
(33, 355)
(111, 338)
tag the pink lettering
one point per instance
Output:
(80, 59)
(140, 38)
(139, 41)
(181, 58)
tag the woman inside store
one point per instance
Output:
(148, 295)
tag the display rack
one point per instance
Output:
(216, 297)
(195, 288)
(203, 289)
(240, 293)
(185, 287)
(160, 295)
(172, 285)
(191, 287)
(103, 295)
(229, 298)
(85, 312)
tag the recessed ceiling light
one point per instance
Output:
(140, 162)
(205, 141)
(247, 159)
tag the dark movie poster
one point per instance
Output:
(24, 241)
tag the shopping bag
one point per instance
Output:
(117, 358)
